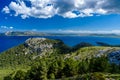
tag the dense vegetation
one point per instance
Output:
(84, 61)
(57, 68)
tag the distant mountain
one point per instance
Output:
(2, 34)
(24, 33)
(34, 33)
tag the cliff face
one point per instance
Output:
(39, 45)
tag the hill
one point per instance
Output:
(24, 33)
(42, 59)
(32, 48)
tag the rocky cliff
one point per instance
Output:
(39, 45)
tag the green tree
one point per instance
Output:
(9, 77)
(114, 68)
(38, 71)
(71, 67)
(99, 64)
(83, 67)
(20, 75)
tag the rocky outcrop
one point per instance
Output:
(114, 57)
(40, 45)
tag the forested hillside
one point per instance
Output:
(42, 59)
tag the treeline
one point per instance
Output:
(57, 67)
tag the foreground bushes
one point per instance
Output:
(57, 67)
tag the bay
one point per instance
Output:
(7, 42)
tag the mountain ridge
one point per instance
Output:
(52, 59)
(35, 33)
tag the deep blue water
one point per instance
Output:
(7, 42)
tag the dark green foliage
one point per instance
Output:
(106, 44)
(56, 67)
(81, 45)
(20, 75)
(38, 71)
(8, 78)
(61, 47)
(83, 67)
(103, 44)
(15, 57)
(71, 67)
(114, 68)
(99, 64)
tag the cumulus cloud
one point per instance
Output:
(11, 27)
(6, 27)
(6, 9)
(64, 8)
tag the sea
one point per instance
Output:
(7, 42)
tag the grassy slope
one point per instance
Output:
(89, 52)
(4, 72)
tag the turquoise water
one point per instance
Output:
(7, 42)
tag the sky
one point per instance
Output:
(72, 16)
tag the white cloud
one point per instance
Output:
(20, 9)
(88, 31)
(64, 8)
(6, 9)
(79, 3)
(6, 27)
(69, 15)
(11, 27)
(101, 11)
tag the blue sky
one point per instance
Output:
(60, 16)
